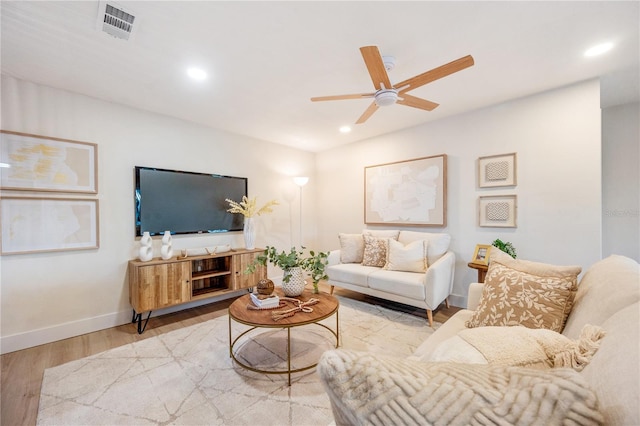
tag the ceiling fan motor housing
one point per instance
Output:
(386, 97)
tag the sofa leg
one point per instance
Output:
(446, 302)
(430, 317)
(331, 290)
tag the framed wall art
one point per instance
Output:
(31, 225)
(411, 192)
(41, 163)
(481, 254)
(497, 211)
(497, 170)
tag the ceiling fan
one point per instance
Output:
(388, 94)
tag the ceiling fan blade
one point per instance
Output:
(434, 74)
(341, 97)
(377, 71)
(415, 102)
(368, 113)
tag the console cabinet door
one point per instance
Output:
(161, 285)
(242, 280)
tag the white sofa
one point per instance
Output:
(400, 276)
(371, 389)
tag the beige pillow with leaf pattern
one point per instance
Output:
(375, 251)
(530, 294)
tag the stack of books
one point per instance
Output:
(265, 302)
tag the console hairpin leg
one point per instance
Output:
(137, 317)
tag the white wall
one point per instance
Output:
(557, 139)
(621, 180)
(50, 296)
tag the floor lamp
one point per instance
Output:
(300, 181)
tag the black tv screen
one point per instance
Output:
(185, 202)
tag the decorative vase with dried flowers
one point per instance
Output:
(248, 207)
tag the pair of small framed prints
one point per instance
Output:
(497, 171)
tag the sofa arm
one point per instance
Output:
(473, 296)
(334, 258)
(439, 280)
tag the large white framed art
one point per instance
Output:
(411, 192)
(42, 163)
(497, 170)
(34, 224)
(498, 211)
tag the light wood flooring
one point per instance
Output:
(22, 371)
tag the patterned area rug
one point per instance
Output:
(187, 377)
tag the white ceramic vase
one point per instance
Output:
(166, 251)
(295, 285)
(249, 233)
(145, 253)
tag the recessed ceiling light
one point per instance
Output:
(598, 49)
(345, 129)
(197, 73)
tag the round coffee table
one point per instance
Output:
(259, 319)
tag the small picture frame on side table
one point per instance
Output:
(481, 254)
(497, 170)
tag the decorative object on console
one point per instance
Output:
(497, 211)
(292, 264)
(145, 253)
(481, 254)
(410, 192)
(249, 209)
(506, 247)
(497, 170)
(166, 251)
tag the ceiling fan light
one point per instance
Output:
(386, 97)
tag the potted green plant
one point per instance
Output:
(292, 264)
(505, 247)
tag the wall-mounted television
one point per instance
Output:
(185, 202)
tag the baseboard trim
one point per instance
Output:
(41, 336)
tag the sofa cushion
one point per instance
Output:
(449, 329)
(438, 244)
(351, 248)
(352, 273)
(375, 251)
(409, 258)
(385, 233)
(519, 292)
(606, 287)
(406, 284)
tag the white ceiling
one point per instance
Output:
(266, 59)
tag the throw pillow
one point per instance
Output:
(519, 292)
(351, 248)
(375, 251)
(438, 244)
(409, 258)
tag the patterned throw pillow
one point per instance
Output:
(531, 294)
(375, 251)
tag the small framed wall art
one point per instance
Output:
(481, 254)
(498, 211)
(497, 170)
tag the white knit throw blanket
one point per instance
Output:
(536, 348)
(368, 389)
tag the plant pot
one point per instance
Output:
(249, 233)
(293, 282)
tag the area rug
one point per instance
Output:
(187, 377)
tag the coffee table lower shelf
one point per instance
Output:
(265, 322)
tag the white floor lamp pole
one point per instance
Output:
(301, 181)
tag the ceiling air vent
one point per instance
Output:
(115, 20)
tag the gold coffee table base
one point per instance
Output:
(238, 312)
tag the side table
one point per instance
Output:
(482, 270)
